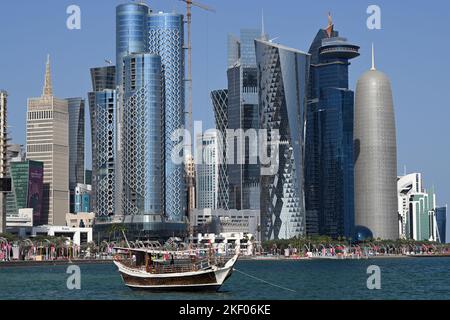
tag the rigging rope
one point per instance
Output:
(272, 284)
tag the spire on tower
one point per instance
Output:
(330, 27)
(263, 29)
(48, 90)
(373, 58)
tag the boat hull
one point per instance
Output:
(205, 280)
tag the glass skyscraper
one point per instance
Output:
(243, 113)
(207, 172)
(166, 39)
(104, 162)
(441, 223)
(282, 78)
(220, 104)
(329, 185)
(102, 109)
(131, 33)
(76, 146)
(142, 158)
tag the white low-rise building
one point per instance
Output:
(77, 235)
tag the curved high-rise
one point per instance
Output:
(142, 162)
(166, 39)
(375, 154)
(131, 33)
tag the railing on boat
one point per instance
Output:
(158, 268)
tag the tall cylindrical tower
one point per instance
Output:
(375, 154)
(142, 163)
(166, 39)
(131, 33)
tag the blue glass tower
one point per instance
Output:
(243, 113)
(441, 223)
(131, 33)
(329, 137)
(166, 38)
(142, 159)
(102, 110)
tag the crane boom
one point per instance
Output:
(189, 4)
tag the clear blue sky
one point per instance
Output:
(412, 48)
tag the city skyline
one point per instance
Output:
(207, 116)
(209, 36)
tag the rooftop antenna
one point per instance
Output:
(263, 31)
(373, 58)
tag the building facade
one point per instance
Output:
(131, 33)
(48, 142)
(3, 153)
(422, 218)
(375, 154)
(76, 146)
(283, 79)
(441, 224)
(27, 188)
(242, 115)
(166, 39)
(191, 195)
(207, 171)
(103, 122)
(329, 178)
(83, 198)
(220, 104)
(407, 185)
(102, 112)
(142, 163)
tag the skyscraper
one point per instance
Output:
(3, 154)
(407, 186)
(441, 221)
(375, 152)
(166, 39)
(102, 110)
(220, 104)
(142, 163)
(105, 154)
(76, 146)
(207, 171)
(329, 181)
(48, 141)
(283, 78)
(131, 33)
(243, 115)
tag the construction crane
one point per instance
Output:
(189, 4)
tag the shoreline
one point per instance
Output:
(28, 263)
(6, 264)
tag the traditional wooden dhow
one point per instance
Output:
(162, 270)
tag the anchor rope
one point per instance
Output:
(267, 282)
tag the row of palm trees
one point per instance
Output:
(50, 248)
(312, 244)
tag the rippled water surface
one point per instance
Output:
(401, 278)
